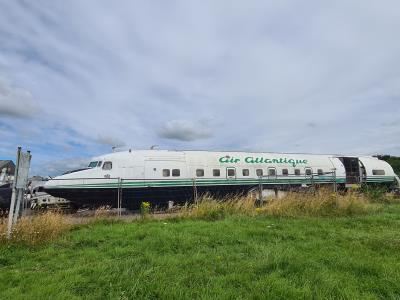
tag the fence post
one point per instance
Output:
(119, 197)
(260, 188)
(334, 181)
(18, 188)
(194, 190)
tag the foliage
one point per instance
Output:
(145, 208)
(394, 161)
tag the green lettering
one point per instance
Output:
(292, 162)
(224, 159)
(249, 160)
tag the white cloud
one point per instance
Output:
(183, 130)
(110, 141)
(15, 102)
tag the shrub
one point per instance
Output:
(145, 208)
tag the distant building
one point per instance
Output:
(7, 170)
(8, 165)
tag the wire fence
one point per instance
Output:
(194, 188)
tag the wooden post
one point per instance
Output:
(13, 196)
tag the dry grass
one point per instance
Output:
(322, 203)
(209, 208)
(104, 212)
(35, 230)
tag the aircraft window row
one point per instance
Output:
(378, 172)
(107, 165)
(231, 172)
(175, 172)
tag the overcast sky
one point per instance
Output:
(77, 77)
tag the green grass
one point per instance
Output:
(238, 257)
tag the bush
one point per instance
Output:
(376, 194)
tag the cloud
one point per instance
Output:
(274, 76)
(110, 141)
(183, 130)
(58, 167)
(15, 102)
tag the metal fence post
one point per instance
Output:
(194, 190)
(119, 197)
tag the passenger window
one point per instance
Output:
(285, 172)
(165, 172)
(245, 172)
(99, 164)
(216, 173)
(107, 165)
(378, 172)
(176, 172)
(200, 172)
(231, 172)
(259, 172)
(308, 172)
(271, 172)
(297, 172)
(320, 172)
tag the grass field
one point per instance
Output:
(236, 257)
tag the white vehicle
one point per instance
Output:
(159, 176)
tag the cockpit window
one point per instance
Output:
(107, 165)
(99, 163)
(92, 164)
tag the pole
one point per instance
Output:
(13, 196)
(119, 197)
(23, 168)
(194, 190)
(260, 188)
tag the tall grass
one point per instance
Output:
(209, 208)
(321, 203)
(35, 230)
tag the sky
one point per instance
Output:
(79, 77)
